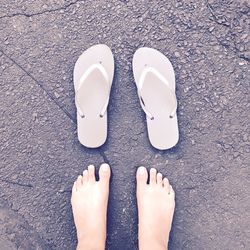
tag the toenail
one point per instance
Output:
(141, 170)
(105, 167)
(91, 166)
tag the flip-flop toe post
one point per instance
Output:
(155, 81)
(93, 76)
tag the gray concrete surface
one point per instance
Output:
(208, 44)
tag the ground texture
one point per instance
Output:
(208, 43)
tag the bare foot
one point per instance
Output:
(89, 204)
(156, 202)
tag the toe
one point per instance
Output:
(78, 182)
(166, 184)
(159, 179)
(74, 187)
(104, 173)
(171, 190)
(153, 172)
(91, 173)
(85, 176)
(141, 176)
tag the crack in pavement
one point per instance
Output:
(16, 183)
(229, 47)
(42, 12)
(33, 78)
(41, 86)
(215, 18)
(103, 155)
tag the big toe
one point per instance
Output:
(141, 176)
(104, 173)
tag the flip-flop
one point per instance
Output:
(155, 81)
(93, 76)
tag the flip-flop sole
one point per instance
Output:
(92, 130)
(162, 130)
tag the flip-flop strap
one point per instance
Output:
(89, 71)
(164, 81)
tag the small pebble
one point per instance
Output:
(177, 54)
(56, 95)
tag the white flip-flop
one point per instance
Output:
(93, 76)
(155, 81)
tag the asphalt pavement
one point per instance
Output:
(208, 43)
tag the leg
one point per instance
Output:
(89, 204)
(156, 202)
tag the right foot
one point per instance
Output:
(156, 203)
(89, 204)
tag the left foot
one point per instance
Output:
(89, 204)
